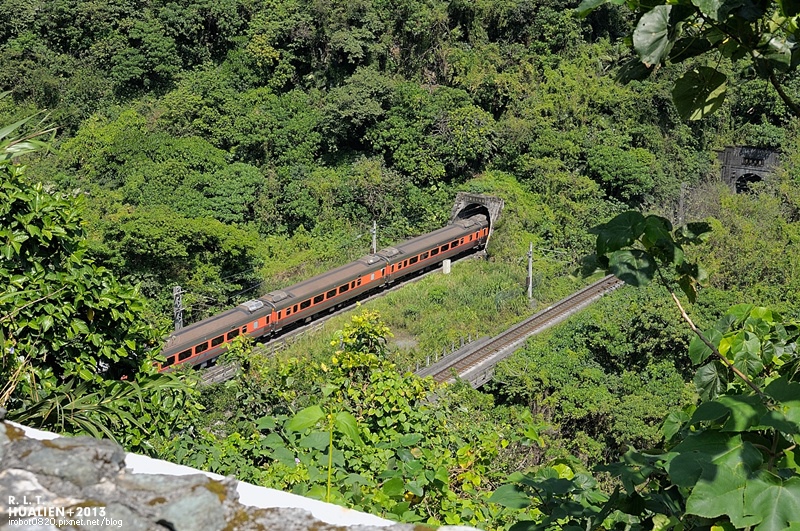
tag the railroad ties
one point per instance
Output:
(475, 362)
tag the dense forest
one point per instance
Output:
(238, 146)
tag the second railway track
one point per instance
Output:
(477, 364)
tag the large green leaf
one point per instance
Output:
(717, 9)
(739, 412)
(587, 6)
(701, 453)
(318, 440)
(619, 232)
(305, 418)
(651, 36)
(656, 228)
(510, 496)
(699, 92)
(746, 353)
(634, 267)
(711, 380)
(673, 423)
(658, 240)
(284, 455)
(773, 501)
(739, 312)
(394, 487)
(346, 424)
(719, 491)
(785, 414)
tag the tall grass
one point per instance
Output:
(478, 298)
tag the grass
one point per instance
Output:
(478, 298)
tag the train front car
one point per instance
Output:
(460, 237)
(205, 340)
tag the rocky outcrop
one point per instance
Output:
(83, 483)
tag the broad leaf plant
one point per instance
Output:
(762, 34)
(729, 462)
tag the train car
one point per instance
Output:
(268, 315)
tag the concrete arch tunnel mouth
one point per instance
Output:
(744, 182)
(474, 209)
(467, 205)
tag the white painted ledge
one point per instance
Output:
(249, 494)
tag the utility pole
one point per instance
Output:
(177, 307)
(530, 272)
(374, 237)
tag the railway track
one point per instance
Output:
(221, 373)
(475, 364)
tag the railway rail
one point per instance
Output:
(221, 373)
(475, 363)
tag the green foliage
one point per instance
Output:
(635, 247)
(237, 147)
(73, 343)
(350, 429)
(732, 457)
(753, 247)
(624, 173)
(157, 247)
(666, 33)
(596, 381)
(433, 135)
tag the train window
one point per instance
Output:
(217, 341)
(435, 252)
(445, 247)
(288, 311)
(454, 243)
(424, 256)
(201, 348)
(413, 260)
(232, 334)
(330, 294)
(358, 281)
(268, 318)
(461, 241)
(383, 271)
(305, 304)
(318, 299)
(185, 354)
(344, 288)
(372, 277)
(294, 308)
(169, 361)
(405, 263)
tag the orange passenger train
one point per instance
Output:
(198, 344)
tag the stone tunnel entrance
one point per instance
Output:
(467, 205)
(744, 165)
(743, 182)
